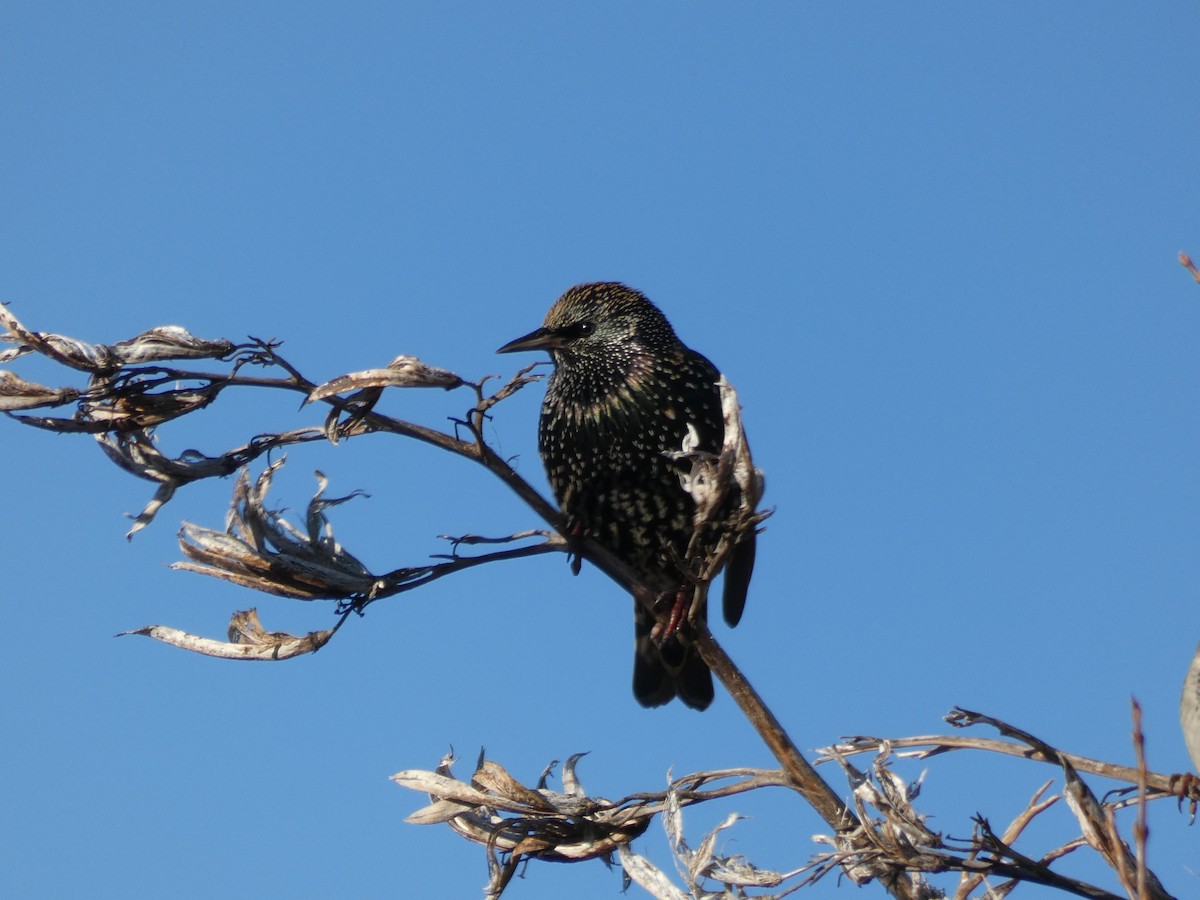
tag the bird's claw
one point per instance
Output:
(668, 626)
(1186, 786)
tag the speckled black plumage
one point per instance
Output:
(623, 392)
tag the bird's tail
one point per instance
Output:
(671, 669)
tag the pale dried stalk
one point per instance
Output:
(514, 822)
(928, 745)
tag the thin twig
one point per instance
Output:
(1186, 262)
(1141, 830)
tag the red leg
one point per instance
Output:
(679, 611)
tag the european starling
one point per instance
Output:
(622, 396)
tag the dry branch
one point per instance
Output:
(131, 391)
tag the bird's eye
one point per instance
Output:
(584, 328)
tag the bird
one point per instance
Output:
(624, 394)
(1189, 710)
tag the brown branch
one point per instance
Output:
(803, 776)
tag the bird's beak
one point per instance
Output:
(542, 339)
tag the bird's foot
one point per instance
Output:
(672, 617)
(1186, 786)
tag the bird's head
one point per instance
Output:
(596, 323)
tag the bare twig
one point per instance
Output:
(1035, 807)
(1141, 831)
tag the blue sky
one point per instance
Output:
(933, 247)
